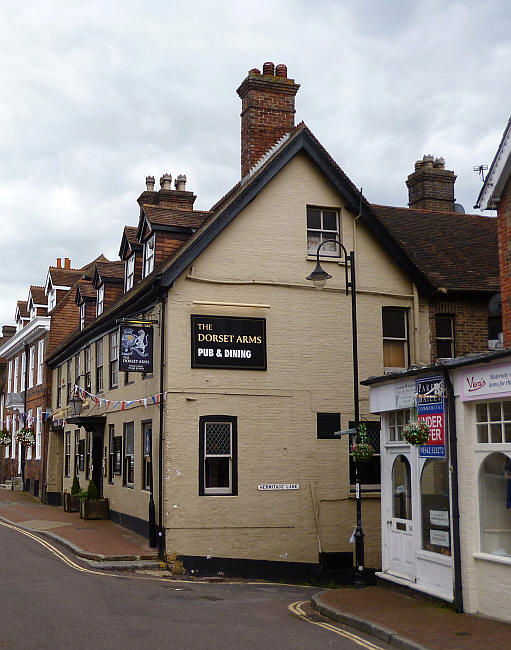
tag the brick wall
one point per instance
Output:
(431, 187)
(504, 232)
(267, 113)
(470, 323)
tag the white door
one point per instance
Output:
(400, 533)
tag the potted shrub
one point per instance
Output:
(417, 431)
(91, 505)
(72, 501)
(26, 436)
(361, 450)
(5, 437)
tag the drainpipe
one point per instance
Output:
(453, 450)
(161, 535)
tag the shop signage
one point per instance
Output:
(431, 410)
(487, 382)
(278, 486)
(228, 342)
(136, 348)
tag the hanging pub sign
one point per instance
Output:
(136, 348)
(229, 342)
(431, 410)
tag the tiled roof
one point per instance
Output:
(64, 277)
(86, 289)
(456, 251)
(169, 217)
(110, 270)
(22, 306)
(38, 295)
(88, 269)
(131, 236)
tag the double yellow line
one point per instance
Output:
(297, 610)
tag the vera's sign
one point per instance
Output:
(136, 348)
(228, 342)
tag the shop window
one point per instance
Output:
(395, 337)
(369, 473)
(401, 490)
(395, 423)
(218, 455)
(444, 326)
(322, 225)
(435, 507)
(495, 505)
(147, 437)
(67, 455)
(493, 422)
(129, 455)
(327, 424)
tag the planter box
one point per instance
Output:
(94, 509)
(71, 503)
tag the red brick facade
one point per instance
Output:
(504, 229)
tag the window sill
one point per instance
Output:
(489, 557)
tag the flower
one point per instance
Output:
(362, 451)
(5, 437)
(416, 433)
(26, 436)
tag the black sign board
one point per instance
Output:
(136, 348)
(228, 342)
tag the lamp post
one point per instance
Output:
(319, 278)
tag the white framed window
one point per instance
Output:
(114, 359)
(322, 225)
(23, 370)
(78, 368)
(130, 273)
(99, 366)
(101, 300)
(82, 315)
(16, 371)
(31, 360)
(218, 455)
(87, 363)
(38, 432)
(395, 337)
(7, 426)
(149, 255)
(52, 299)
(67, 455)
(495, 505)
(128, 475)
(493, 422)
(396, 421)
(30, 423)
(33, 311)
(9, 379)
(19, 325)
(40, 361)
(444, 326)
(13, 439)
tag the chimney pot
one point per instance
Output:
(428, 160)
(67, 263)
(180, 183)
(281, 70)
(166, 182)
(59, 262)
(254, 71)
(268, 69)
(431, 186)
(439, 163)
(149, 183)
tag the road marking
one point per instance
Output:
(297, 609)
(77, 567)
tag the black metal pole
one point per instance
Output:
(359, 533)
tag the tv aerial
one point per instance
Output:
(480, 169)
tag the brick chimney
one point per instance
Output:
(267, 111)
(166, 197)
(431, 186)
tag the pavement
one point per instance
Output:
(95, 541)
(403, 621)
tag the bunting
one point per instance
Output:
(124, 404)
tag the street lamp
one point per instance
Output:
(319, 278)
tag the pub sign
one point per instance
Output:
(136, 348)
(229, 342)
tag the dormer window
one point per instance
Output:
(19, 325)
(52, 299)
(82, 315)
(33, 311)
(130, 273)
(101, 299)
(149, 255)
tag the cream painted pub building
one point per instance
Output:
(231, 434)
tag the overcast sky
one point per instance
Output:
(96, 95)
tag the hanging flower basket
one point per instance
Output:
(5, 437)
(26, 436)
(362, 451)
(416, 433)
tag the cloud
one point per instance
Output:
(96, 95)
